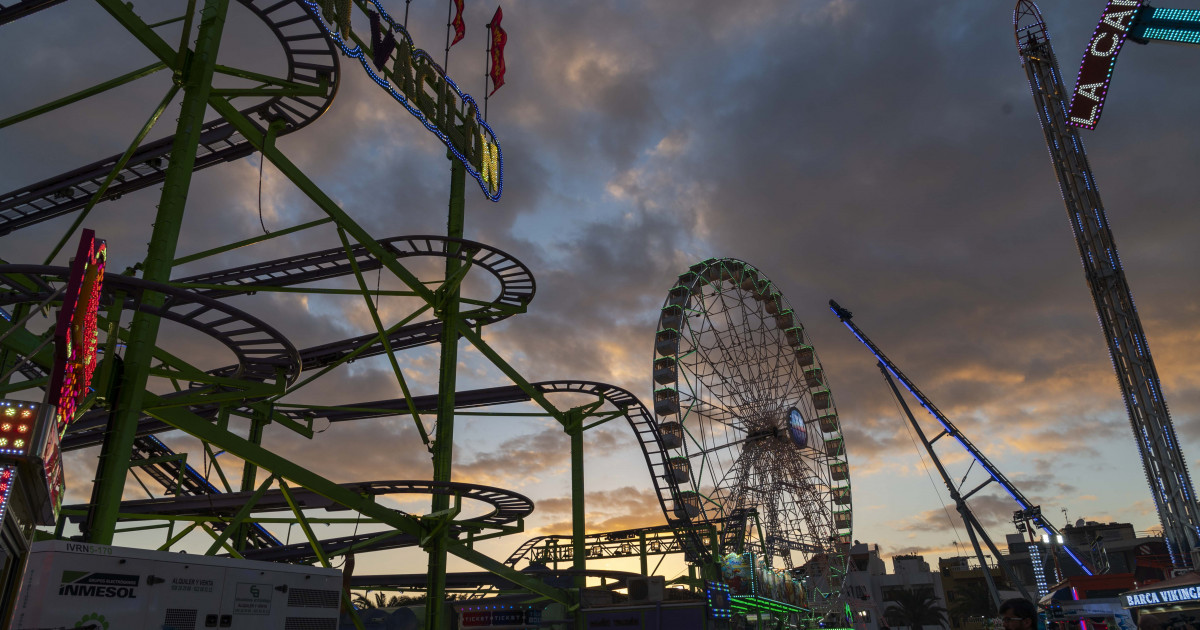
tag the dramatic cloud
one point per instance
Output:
(884, 154)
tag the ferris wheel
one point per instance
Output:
(744, 409)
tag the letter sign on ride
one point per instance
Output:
(1091, 87)
(75, 331)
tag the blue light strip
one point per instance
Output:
(196, 475)
(357, 53)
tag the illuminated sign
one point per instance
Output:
(499, 616)
(29, 439)
(418, 83)
(16, 427)
(52, 471)
(1159, 597)
(8, 477)
(75, 331)
(1091, 87)
(718, 596)
(797, 429)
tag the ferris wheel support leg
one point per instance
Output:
(446, 306)
(197, 83)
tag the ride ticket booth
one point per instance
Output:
(1172, 604)
(31, 487)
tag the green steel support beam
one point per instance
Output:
(82, 94)
(237, 520)
(221, 543)
(259, 288)
(354, 354)
(383, 338)
(443, 442)
(537, 396)
(308, 532)
(23, 385)
(249, 471)
(102, 380)
(177, 537)
(294, 89)
(212, 457)
(116, 170)
(250, 241)
(197, 80)
(284, 469)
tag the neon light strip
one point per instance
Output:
(752, 602)
(1190, 15)
(357, 53)
(8, 477)
(1172, 35)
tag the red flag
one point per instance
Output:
(499, 38)
(460, 27)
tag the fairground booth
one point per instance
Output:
(1173, 603)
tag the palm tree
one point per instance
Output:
(914, 608)
(362, 602)
(972, 599)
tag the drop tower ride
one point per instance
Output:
(1162, 458)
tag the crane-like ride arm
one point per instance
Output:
(890, 371)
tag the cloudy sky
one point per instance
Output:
(883, 154)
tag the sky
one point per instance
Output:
(883, 154)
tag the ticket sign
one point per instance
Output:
(499, 617)
(75, 331)
(1095, 72)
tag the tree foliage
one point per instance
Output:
(914, 608)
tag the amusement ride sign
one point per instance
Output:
(1183, 594)
(1095, 72)
(75, 331)
(418, 83)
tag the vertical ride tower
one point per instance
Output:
(1165, 466)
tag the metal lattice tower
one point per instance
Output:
(1165, 466)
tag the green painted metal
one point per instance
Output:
(285, 469)
(241, 515)
(249, 241)
(383, 338)
(82, 94)
(197, 81)
(112, 174)
(443, 443)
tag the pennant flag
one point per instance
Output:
(460, 27)
(499, 38)
(381, 45)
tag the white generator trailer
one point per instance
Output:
(81, 585)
